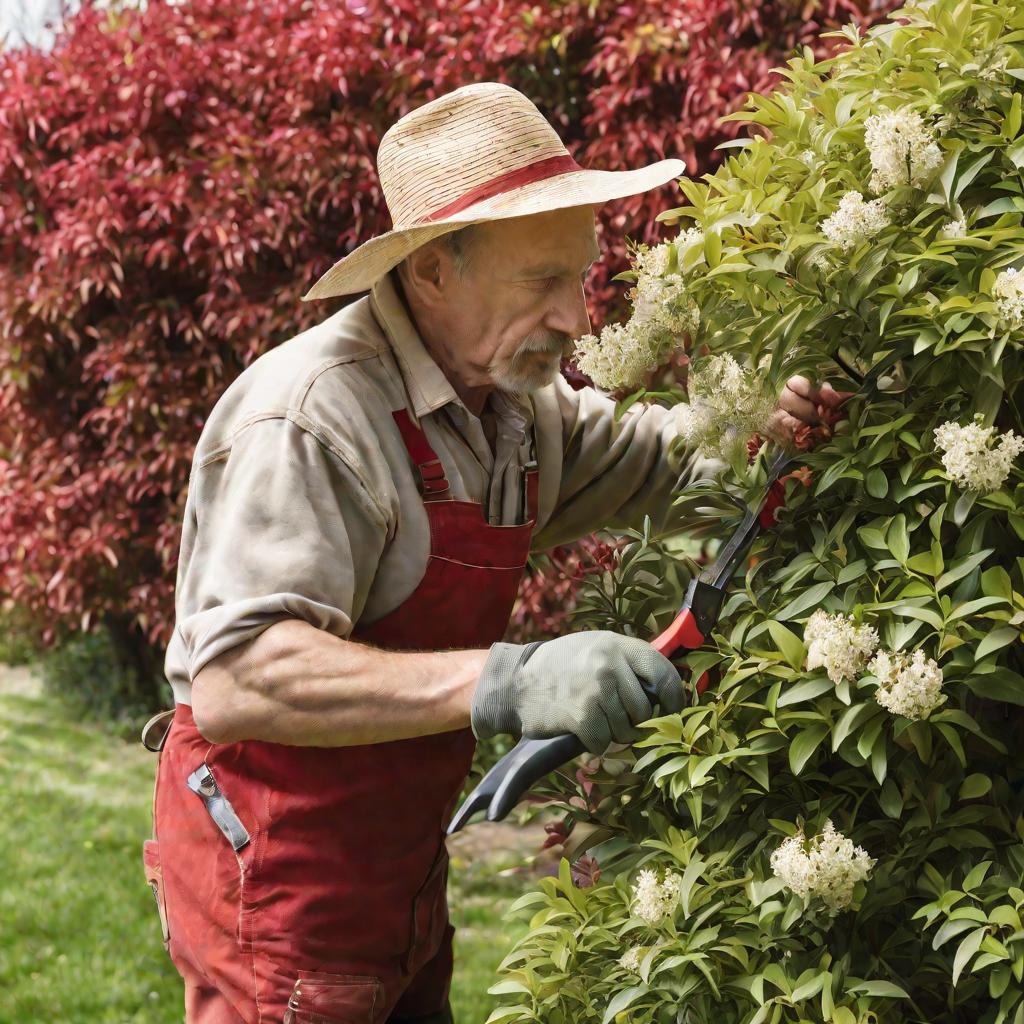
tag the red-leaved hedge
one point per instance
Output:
(171, 181)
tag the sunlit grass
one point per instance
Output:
(79, 936)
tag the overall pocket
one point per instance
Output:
(236, 806)
(155, 880)
(320, 998)
(426, 917)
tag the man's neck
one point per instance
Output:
(474, 397)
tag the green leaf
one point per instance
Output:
(884, 989)
(809, 989)
(952, 737)
(807, 690)
(804, 745)
(789, 643)
(965, 951)
(876, 483)
(849, 720)
(502, 988)
(890, 799)
(974, 786)
(950, 930)
(961, 568)
(1011, 125)
(963, 506)
(912, 611)
(969, 608)
(810, 598)
(505, 1013)
(968, 176)
(976, 875)
(1003, 684)
(946, 175)
(996, 640)
(853, 571)
(880, 757)
(622, 999)
(897, 539)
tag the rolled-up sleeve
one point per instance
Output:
(277, 526)
(613, 472)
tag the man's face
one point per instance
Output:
(520, 304)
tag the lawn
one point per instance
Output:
(79, 937)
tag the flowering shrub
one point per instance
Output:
(172, 180)
(844, 807)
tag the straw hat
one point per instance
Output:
(483, 152)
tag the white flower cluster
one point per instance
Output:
(995, 68)
(819, 261)
(727, 404)
(969, 457)
(827, 866)
(1008, 291)
(654, 262)
(907, 685)
(621, 356)
(631, 958)
(902, 150)
(835, 643)
(662, 311)
(855, 221)
(652, 899)
(662, 303)
(954, 229)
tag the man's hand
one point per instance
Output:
(806, 414)
(595, 684)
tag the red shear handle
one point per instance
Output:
(682, 634)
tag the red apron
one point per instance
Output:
(334, 911)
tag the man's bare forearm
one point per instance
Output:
(300, 685)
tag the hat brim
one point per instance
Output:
(366, 264)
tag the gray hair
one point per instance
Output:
(460, 247)
(458, 244)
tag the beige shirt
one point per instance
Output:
(302, 501)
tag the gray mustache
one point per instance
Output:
(549, 346)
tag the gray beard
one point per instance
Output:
(521, 376)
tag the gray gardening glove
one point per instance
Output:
(589, 684)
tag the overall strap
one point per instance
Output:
(433, 484)
(532, 488)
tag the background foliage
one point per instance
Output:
(172, 180)
(883, 534)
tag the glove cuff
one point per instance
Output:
(493, 709)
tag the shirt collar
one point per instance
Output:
(427, 386)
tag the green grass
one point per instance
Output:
(79, 935)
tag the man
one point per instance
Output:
(361, 505)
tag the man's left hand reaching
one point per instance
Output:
(806, 414)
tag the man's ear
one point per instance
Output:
(429, 271)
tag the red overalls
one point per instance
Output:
(334, 911)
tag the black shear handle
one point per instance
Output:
(517, 772)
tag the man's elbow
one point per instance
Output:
(229, 691)
(212, 700)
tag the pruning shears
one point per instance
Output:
(533, 758)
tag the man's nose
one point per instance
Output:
(570, 314)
